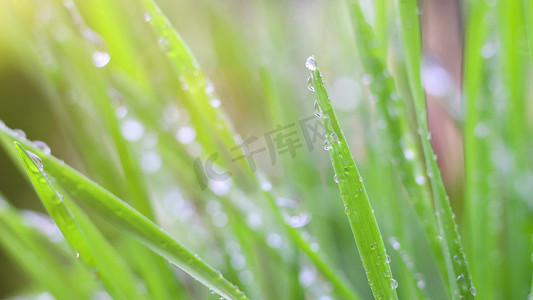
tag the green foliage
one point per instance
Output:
(152, 109)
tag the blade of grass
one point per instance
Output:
(459, 275)
(38, 258)
(80, 233)
(357, 205)
(392, 109)
(123, 216)
(479, 199)
(516, 137)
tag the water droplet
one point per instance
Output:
(77, 255)
(473, 291)
(36, 160)
(20, 133)
(373, 246)
(334, 138)
(215, 102)
(299, 220)
(310, 84)
(186, 135)
(327, 145)
(421, 284)
(310, 63)
(164, 43)
(307, 276)
(147, 17)
(386, 273)
(318, 110)
(348, 210)
(360, 179)
(387, 259)
(336, 178)
(101, 59)
(420, 179)
(42, 146)
(266, 185)
(132, 130)
(121, 111)
(393, 283)
(409, 154)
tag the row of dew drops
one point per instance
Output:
(311, 65)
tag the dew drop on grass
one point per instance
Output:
(310, 84)
(334, 138)
(121, 111)
(387, 259)
(336, 178)
(422, 284)
(299, 220)
(318, 110)
(36, 160)
(164, 43)
(473, 291)
(461, 280)
(360, 179)
(409, 154)
(77, 255)
(147, 17)
(42, 146)
(20, 133)
(310, 63)
(186, 135)
(132, 130)
(393, 283)
(420, 179)
(266, 185)
(327, 145)
(373, 245)
(215, 102)
(101, 59)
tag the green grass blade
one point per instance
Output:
(123, 216)
(357, 206)
(80, 233)
(38, 258)
(480, 238)
(459, 275)
(392, 109)
(516, 135)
